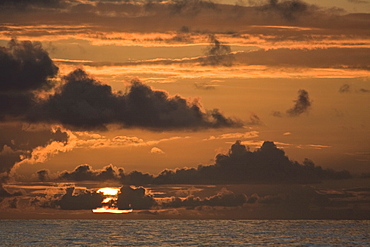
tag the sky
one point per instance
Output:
(154, 85)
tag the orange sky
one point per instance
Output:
(275, 52)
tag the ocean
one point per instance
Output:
(184, 233)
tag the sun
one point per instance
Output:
(109, 191)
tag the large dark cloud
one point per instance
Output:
(301, 105)
(267, 164)
(85, 103)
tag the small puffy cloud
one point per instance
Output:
(302, 104)
(254, 120)
(156, 150)
(345, 88)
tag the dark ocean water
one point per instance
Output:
(184, 233)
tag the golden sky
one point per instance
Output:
(295, 75)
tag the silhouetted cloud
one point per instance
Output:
(24, 67)
(267, 164)
(302, 104)
(6, 193)
(17, 143)
(33, 3)
(86, 173)
(43, 175)
(218, 53)
(288, 9)
(190, 7)
(83, 200)
(135, 198)
(84, 103)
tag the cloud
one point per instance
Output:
(43, 175)
(156, 150)
(24, 67)
(204, 86)
(190, 7)
(302, 104)
(289, 9)
(83, 200)
(84, 103)
(135, 198)
(254, 120)
(268, 164)
(236, 135)
(20, 143)
(358, 1)
(345, 88)
(224, 198)
(363, 90)
(86, 173)
(217, 53)
(21, 4)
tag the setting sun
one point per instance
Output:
(108, 191)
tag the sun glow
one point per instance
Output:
(111, 210)
(108, 191)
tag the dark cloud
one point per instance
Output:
(17, 142)
(218, 53)
(83, 200)
(25, 66)
(84, 103)
(190, 7)
(288, 9)
(6, 193)
(134, 198)
(86, 173)
(302, 104)
(43, 175)
(22, 4)
(267, 164)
